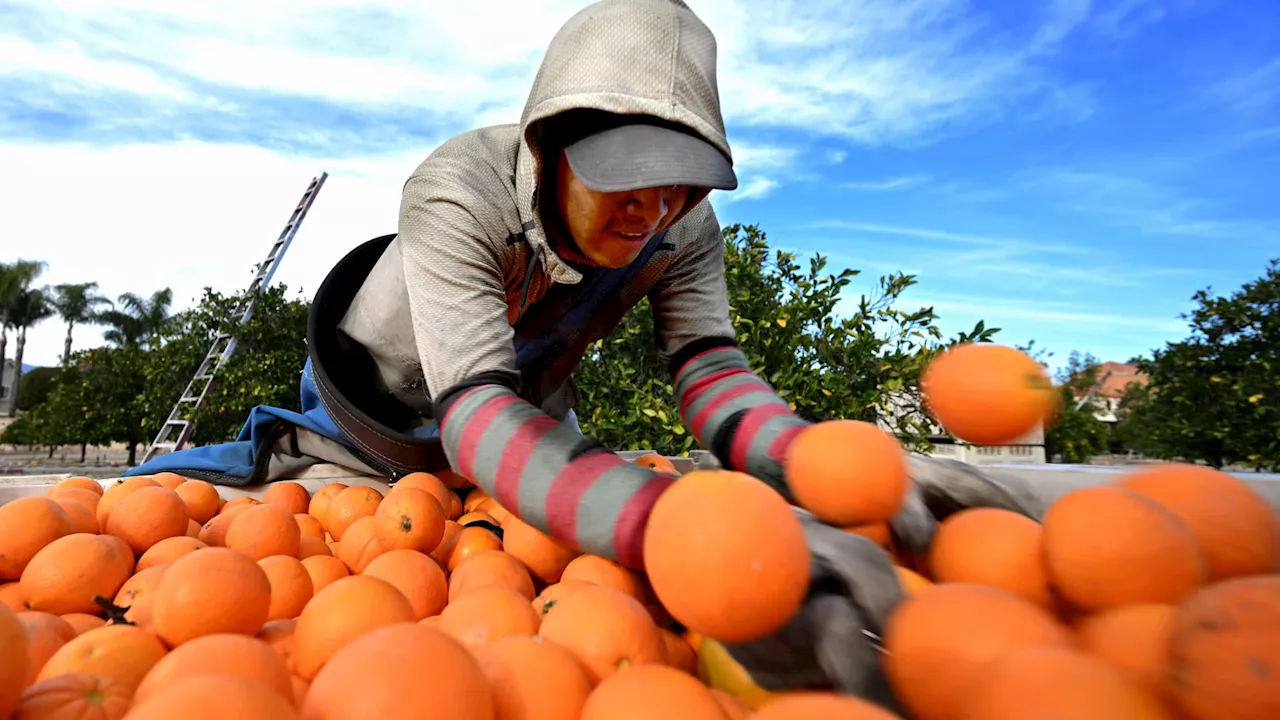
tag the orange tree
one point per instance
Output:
(264, 370)
(1214, 397)
(862, 363)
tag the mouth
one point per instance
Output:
(633, 237)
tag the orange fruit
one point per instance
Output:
(225, 654)
(455, 510)
(847, 472)
(193, 529)
(309, 545)
(242, 501)
(812, 704)
(168, 480)
(545, 556)
(341, 612)
(348, 506)
(80, 517)
(75, 483)
(1236, 529)
(214, 697)
(11, 597)
(279, 636)
(1056, 683)
(657, 463)
(309, 526)
(82, 623)
(291, 586)
(1134, 638)
(65, 576)
(987, 394)
(360, 545)
(401, 672)
(1107, 546)
(651, 691)
(146, 516)
(532, 678)
(1224, 659)
(30, 523)
(210, 591)
(471, 541)
(488, 614)
(453, 480)
(120, 652)
(138, 594)
(415, 575)
(89, 498)
(605, 629)
(15, 660)
(73, 697)
(214, 532)
(428, 483)
(323, 570)
(992, 546)
(726, 555)
(876, 532)
(263, 531)
(113, 494)
(45, 634)
(288, 496)
(200, 498)
(678, 652)
(489, 568)
(448, 541)
(409, 519)
(477, 517)
(555, 592)
(939, 640)
(168, 550)
(318, 508)
(603, 571)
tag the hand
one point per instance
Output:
(942, 487)
(834, 640)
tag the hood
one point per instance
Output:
(649, 57)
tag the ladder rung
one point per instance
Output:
(189, 399)
(177, 423)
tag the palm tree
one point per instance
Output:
(76, 303)
(141, 320)
(32, 307)
(15, 279)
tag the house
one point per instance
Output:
(6, 383)
(1113, 379)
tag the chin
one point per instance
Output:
(613, 261)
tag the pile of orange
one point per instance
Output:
(1154, 597)
(156, 597)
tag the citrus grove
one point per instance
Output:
(1153, 597)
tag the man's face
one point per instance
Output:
(610, 229)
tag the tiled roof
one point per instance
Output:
(1122, 376)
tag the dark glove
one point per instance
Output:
(834, 640)
(943, 487)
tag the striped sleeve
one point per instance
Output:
(553, 478)
(734, 413)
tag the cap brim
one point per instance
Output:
(632, 157)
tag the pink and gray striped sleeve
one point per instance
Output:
(555, 479)
(728, 408)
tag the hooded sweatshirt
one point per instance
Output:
(472, 257)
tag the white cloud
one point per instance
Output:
(196, 212)
(901, 182)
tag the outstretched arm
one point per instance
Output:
(730, 410)
(572, 488)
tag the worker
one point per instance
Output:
(452, 343)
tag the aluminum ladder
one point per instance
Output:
(224, 343)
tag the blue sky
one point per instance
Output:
(1070, 171)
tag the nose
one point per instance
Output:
(649, 205)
